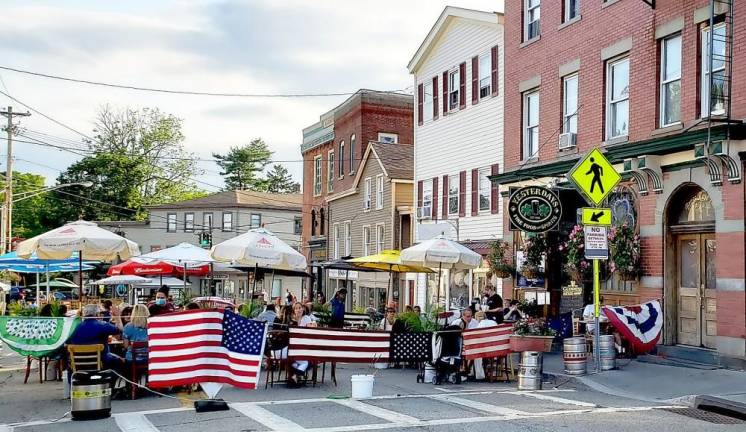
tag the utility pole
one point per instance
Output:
(7, 210)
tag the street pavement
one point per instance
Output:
(399, 404)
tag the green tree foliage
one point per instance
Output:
(28, 208)
(279, 180)
(242, 166)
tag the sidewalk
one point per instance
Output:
(652, 382)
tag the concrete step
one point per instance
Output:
(691, 354)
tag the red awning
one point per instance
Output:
(131, 267)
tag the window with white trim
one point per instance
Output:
(330, 171)
(617, 98)
(530, 124)
(714, 105)
(388, 138)
(531, 19)
(188, 222)
(298, 225)
(256, 220)
(341, 159)
(367, 194)
(379, 238)
(485, 189)
(367, 241)
(207, 221)
(348, 238)
(571, 10)
(227, 221)
(336, 241)
(427, 198)
(570, 104)
(453, 192)
(454, 85)
(485, 75)
(352, 153)
(379, 192)
(317, 175)
(171, 222)
(670, 91)
(427, 103)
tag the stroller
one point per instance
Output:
(447, 354)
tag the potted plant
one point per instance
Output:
(576, 266)
(533, 249)
(531, 334)
(625, 252)
(498, 259)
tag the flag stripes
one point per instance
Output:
(309, 343)
(487, 342)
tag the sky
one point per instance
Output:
(252, 46)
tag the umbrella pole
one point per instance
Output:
(80, 276)
(272, 287)
(437, 305)
(347, 281)
(46, 267)
(38, 303)
(185, 277)
(253, 287)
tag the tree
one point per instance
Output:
(28, 213)
(153, 142)
(279, 180)
(243, 166)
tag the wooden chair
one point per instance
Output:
(42, 361)
(86, 357)
(277, 341)
(138, 369)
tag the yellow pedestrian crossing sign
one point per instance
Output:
(596, 216)
(594, 176)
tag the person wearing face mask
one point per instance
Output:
(161, 305)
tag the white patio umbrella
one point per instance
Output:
(442, 253)
(121, 279)
(259, 248)
(183, 254)
(83, 237)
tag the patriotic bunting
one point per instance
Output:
(36, 336)
(641, 324)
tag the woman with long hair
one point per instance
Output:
(136, 331)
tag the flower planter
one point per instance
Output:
(502, 274)
(627, 276)
(531, 343)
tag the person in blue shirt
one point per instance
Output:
(94, 331)
(338, 309)
(136, 331)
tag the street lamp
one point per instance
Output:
(6, 226)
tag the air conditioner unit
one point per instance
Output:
(424, 213)
(567, 140)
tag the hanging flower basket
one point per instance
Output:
(531, 272)
(498, 259)
(627, 276)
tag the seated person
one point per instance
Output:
(268, 315)
(125, 313)
(512, 313)
(136, 331)
(466, 321)
(192, 306)
(106, 310)
(589, 316)
(94, 331)
(481, 317)
(161, 305)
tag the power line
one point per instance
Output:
(46, 116)
(190, 92)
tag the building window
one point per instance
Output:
(388, 138)
(570, 104)
(670, 80)
(171, 222)
(379, 239)
(485, 75)
(572, 9)
(485, 189)
(379, 191)
(330, 171)
(227, 221)
(531, 18)
(352, 153)
(453, 190)
(617, 98)
(427, 104)
(341, 159)
(256, 220)
(530, 125)
(313, 222)
(453, 89)
(317, 175)
(322, 222)
(713, 99)
(367, 194)
(367, 241)
(297, 225)
(348, 238)
(207, 221)
(336, 241)
(188, 222)
(427, 198)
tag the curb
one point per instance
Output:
(721, 406)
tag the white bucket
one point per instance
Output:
(362, 386)
(429, 373)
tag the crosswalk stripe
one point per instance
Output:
(267, 417)
(546, 397)
(131, 422)
(480, 406)
(391, 416)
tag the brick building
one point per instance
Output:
(333, 148)
(633, 78)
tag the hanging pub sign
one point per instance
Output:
(534, 209)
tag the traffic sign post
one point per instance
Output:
(595, 178)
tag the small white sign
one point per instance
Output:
(596, 242)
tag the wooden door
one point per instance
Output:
(696, 289)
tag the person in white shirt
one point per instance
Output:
(466, 321)
(484, 321)
(387, 323)
(589, 316)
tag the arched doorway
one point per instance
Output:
(690, 299)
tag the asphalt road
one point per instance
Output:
(399, 404)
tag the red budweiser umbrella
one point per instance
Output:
(130, 267)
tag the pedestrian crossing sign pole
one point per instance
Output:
(595, 177)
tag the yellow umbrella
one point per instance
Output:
(390, 261)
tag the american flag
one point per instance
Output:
(205, 346)
(412, 346)
(487, 342)
(309, 343)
